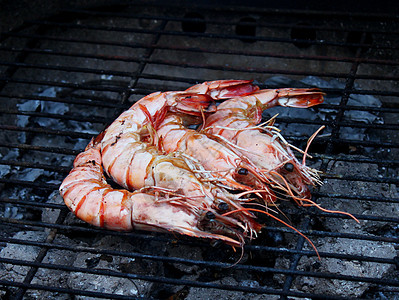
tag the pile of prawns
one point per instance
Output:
(206, 183)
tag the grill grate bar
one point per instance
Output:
(33, 286)
(213, 35)
(342, 124)
(27, 164)
(62, 84)
(30, 184)
(381, 179)
(77, 99)
(74, 134)
(22, 203)
(64, 68)
(205, 263)
(44, 149)
(339, 196)
(294, 260)
(203, 66)
(256, 9)
(349, 197)
(252, 53)
(363, 108)
(92, 119)
(198, 283)
(211, 21)
(25, 203)
(197, 66)
(340, 141)
(115, 296)
(316, 233)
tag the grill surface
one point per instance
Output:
(63, 79)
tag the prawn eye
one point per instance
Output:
(289, 167)
(242, 171)
(210, 215)
(223, 206)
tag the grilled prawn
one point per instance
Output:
(92, 199)
(236, 123)
(169, 194)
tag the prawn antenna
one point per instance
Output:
(310, 202)
(281, 221)
(309, 142)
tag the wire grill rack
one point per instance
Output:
(64, 78)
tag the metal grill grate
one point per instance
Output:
(63, 79)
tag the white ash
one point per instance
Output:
(335, 287)
(28, 174)
(358, 189)
(51, 107)
(350, 246)
(43, 276)
(196, 293)
(12, 212)
(188, 253)
(15, 251)
(80, 144)
(56, 108)
(50, 215)
(26, 106)
(4, 170)
(104, 283)
(79, 126)
(54, 277)
(22, 120)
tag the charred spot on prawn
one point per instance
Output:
(116, 140)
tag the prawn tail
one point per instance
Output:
(192, 104)
(235, 88)
(224, 89)
(300, 98)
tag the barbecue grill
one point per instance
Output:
(65, 77)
